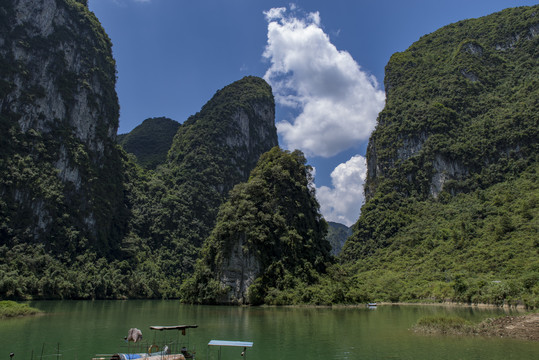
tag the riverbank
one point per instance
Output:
(523, 327)
(9, 309)
(519, 307)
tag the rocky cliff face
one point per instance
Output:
(236, 126)
(238, 271)
(216, 149)
(453, 99)
(460, 117)
(59, 117)
(268, 232)
(211, 152)
(254, 134)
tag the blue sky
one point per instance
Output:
(324, 59)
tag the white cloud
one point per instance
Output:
(337, 102)
(343, 202)
(274, 13)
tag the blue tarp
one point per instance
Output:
(131, 356)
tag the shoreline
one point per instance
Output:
(521, 327)
(518, 307)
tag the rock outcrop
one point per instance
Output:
(442, 95)
(60, 169)
(268, 232)
(239, 271)
(460, 116)
(216, 149)
(237, 126)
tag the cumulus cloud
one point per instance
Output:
(342, 203)
(336, 101)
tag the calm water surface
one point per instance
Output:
(85, 328)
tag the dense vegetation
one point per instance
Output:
(479, 247)
(79, 218)
(168, 213)
(337, 236)
(275, 217)
(452, 189)
(465, 95)
(452, 208)
(60, 188)
(150, 141)
(13, 309)
(174, 209)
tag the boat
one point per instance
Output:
(165, 349)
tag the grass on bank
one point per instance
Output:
(14, 309)
(447, 325)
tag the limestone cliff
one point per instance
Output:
(211, 152)
(216, 149)
(459, 103)
(59, 117)
(238, 272)
(269, 233)
(460, 116)
(236, 126)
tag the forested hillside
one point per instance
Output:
(452, 168)
(269, 237)
(218, 213)
(60, 171)
(80, 218)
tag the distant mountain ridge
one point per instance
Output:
(337, 236)
(150, 141)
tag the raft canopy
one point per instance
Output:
(243, 344)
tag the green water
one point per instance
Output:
(82, 329)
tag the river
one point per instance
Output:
(81, 329)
